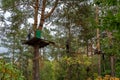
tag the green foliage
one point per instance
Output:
(111, 21)
(8, 71)
(117, 68)
(52, 70)
(76, 66)
(106, 2)
(78, 59)
(47, 72)
(6, 5)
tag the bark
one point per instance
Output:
(69, 54)
(109, 34)
(99, 55)
(98, 42)
(87, 48)
(13, 55)
(36, 7)
(36, 47)
(91, 49)
(69, 40)
(42, 19)
(97, 10)
(99, 64)
(36, 63)
(112, 61)
(103, 58)
(69, 73)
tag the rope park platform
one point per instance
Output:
(37, 41)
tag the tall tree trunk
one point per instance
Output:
(36, 7)
(36, 63)
(99, 55)
(98, 42)
(103, 61)
(99, 65)
(112, 62)
(36, 47)
(69, 54)
(87, 47)
(42, 19)
(13, 55)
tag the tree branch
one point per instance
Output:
(48, 15)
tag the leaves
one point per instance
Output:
(9, 71)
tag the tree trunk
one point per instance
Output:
(103, 62)
(42, 19)
(36, 16)
(69, 54)
(99, 64)
(13, 54)
(98, 41)
(87, 48)
(112, 61)
(36, 63)
(99, 55)
(36, 47)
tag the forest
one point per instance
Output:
(59, 39)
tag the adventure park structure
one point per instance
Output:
(36, 42)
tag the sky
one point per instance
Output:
(2, 50)
(7, 14)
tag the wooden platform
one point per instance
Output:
(37, 41)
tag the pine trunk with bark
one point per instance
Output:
(36, 47)
(112, 57)
(98, 41)
(36, 70)
(112, 62)
(99, 54)
(36, 63)
(69, 54)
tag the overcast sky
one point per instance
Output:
(2, 50)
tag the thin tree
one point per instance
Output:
(98, 42)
